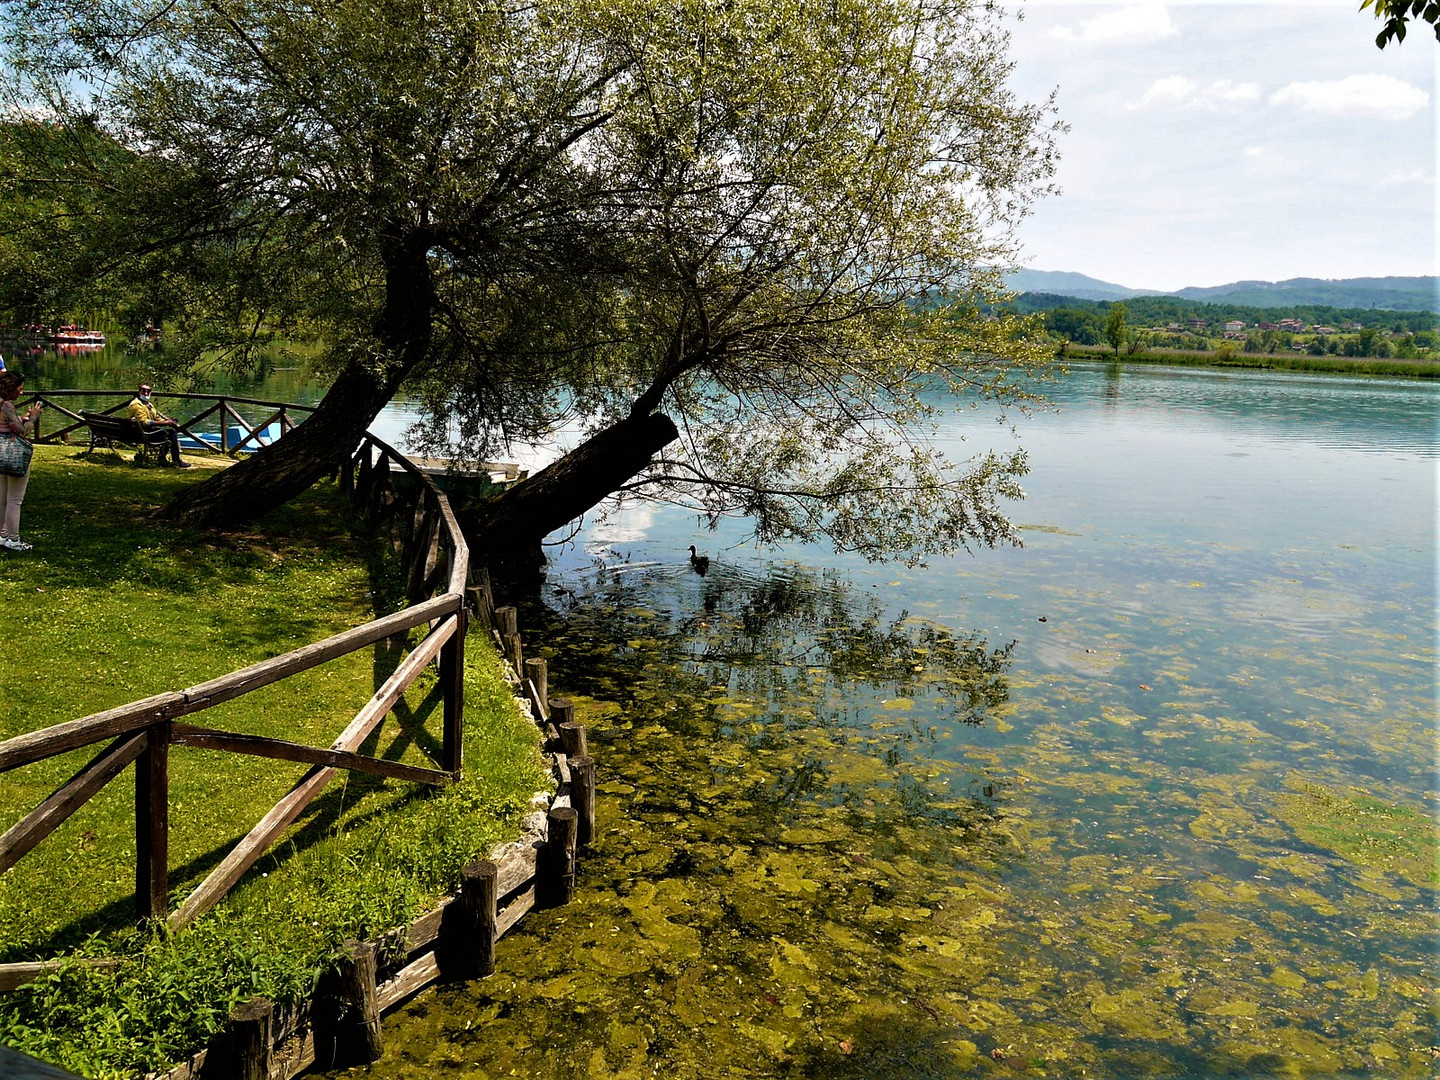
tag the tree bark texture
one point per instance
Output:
(277, 473)
(516, 521)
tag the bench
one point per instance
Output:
(107, 430)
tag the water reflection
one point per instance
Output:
(1193, 836)
(1327, 411)
(767, 845)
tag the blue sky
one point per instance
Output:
(1214, 142)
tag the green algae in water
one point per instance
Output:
(1363, 829)
(791, 880)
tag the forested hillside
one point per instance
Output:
(1161, 311)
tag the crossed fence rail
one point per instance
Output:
(435, 559)
(242, 435)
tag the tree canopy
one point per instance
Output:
(1115, 327)
(1395, 14)
(742, 245)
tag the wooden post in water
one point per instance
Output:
(572, 735)
(536, 675)
(468, 932)
(152, 825)
(507, 621)
(452, 685)
(480, 605)
(582, 797)
(357, 1038)
(558, 884)
(487, 594)
(250, 1040)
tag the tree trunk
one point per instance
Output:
(255, 485)
(277, 473)
(507, 528)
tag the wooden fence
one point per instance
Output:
(221, 406)
(458, 937)
(436, 561)
(340, 1026)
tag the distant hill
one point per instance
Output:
(1063, 283)
(1388, 293)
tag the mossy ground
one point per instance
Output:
(111, 607)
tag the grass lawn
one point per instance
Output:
(111, 607)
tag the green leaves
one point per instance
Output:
(1396, 13)
(778, 222)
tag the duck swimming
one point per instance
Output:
(699, 563)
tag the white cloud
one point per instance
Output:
(1268, 163)
(1142, 22)
(1178, 91)
(1408, 176)
(1355, 95)
(1172, 90)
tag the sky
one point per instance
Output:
(1217, 141)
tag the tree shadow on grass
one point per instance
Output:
(116, 534)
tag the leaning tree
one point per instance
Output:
(742, 247)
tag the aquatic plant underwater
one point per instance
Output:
(1153, 796)
(809, 863)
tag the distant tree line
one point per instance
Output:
(1083, 321)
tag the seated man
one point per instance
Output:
(150, 419)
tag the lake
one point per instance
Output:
(1154, 795)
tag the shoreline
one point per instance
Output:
(1306, 364)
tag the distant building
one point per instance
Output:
(1234, 326)
(1295, 326)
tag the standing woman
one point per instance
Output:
(12, 488)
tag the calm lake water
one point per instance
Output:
(1153, 796)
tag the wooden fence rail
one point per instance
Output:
(454, 940)
(222, 406)
(457, 938)
(436, 559)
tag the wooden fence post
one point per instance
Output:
(378, 478)
(507, 621)
(573, 742)
(355, 1015)
(152, 825)
(419, 554)
(250, 1040)
(582, 797)
(562, 711)
(558, 884)
(468, 932)
(515, 653)
(362, 471)
(452, 686)
(346, 479)
(535, 675)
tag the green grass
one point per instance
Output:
(1333, 365)
(111, 607)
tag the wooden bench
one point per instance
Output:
(107, 430)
